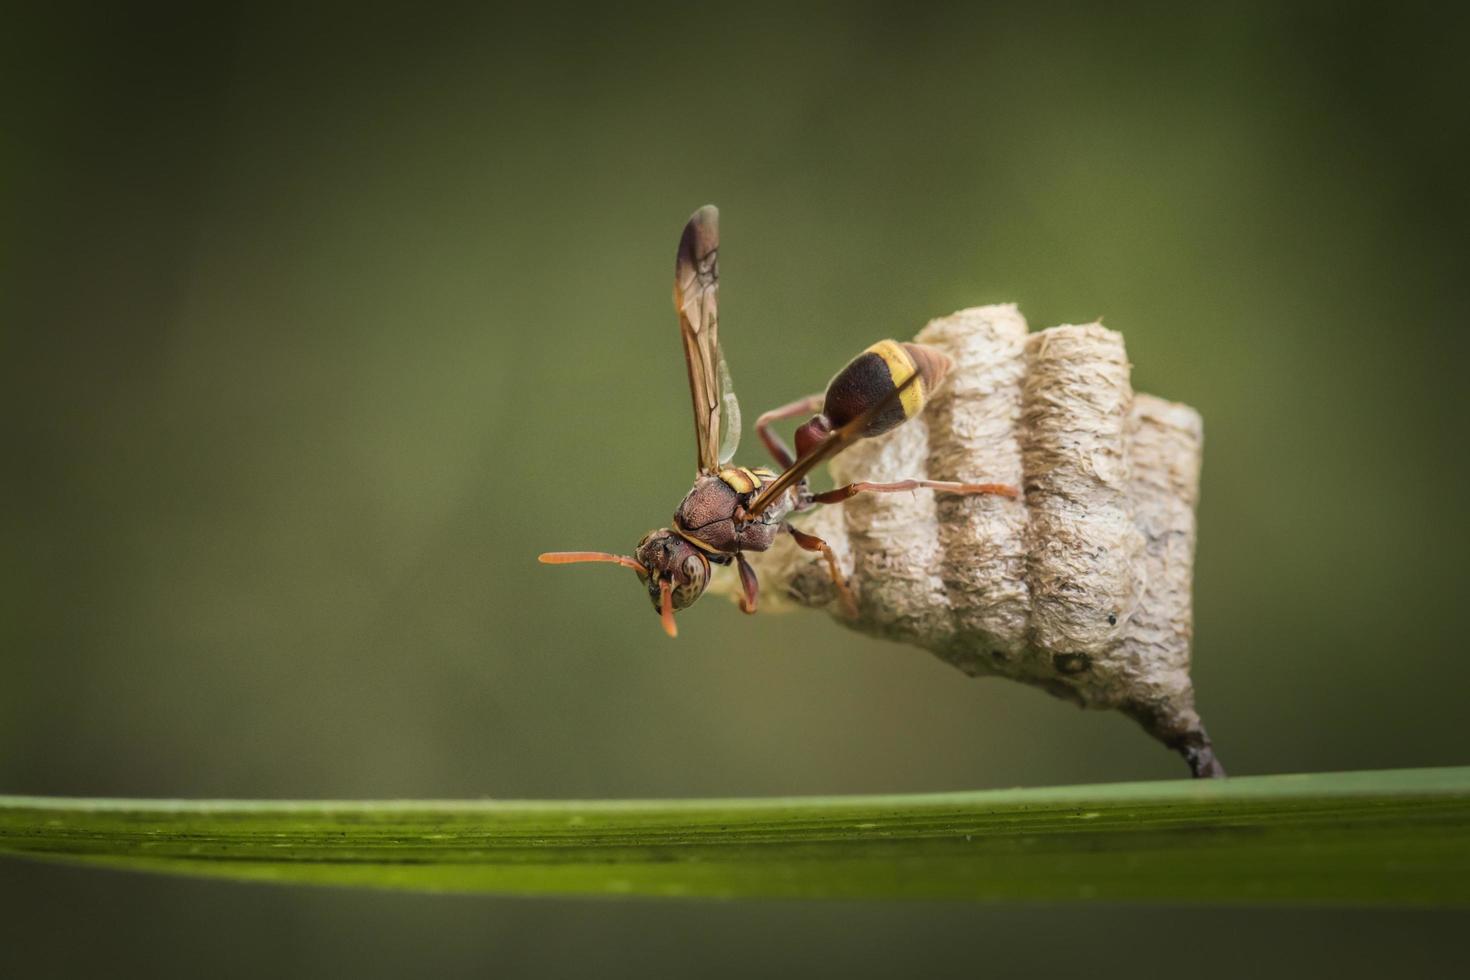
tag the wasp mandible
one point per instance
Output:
(735, 509)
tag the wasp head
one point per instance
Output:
(674, 571)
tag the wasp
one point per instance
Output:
(736, 509)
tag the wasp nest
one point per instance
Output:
(1081, 588)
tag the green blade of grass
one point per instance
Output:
(1367, 838)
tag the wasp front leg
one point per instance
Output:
(811, 542)
(750, 586)
(840, 494)
(802, 406)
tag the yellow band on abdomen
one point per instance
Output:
(900, 369)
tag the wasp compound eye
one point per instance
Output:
(695, 568)
(689, 584)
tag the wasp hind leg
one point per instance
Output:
(840, 494)
(809, 405)
(811, 542)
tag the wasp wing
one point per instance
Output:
(729, 411)
(823, 451)
(697, 300)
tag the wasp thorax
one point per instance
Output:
(670, 558)
(710, 514)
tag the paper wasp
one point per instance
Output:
(734, 509)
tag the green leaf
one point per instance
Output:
(1367, 838)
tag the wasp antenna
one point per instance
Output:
(666, 607)
(572, 557)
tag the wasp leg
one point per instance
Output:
(840, 494)
(809, 405)
(811, 542)
(750, 586)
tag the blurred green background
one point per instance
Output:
(317, 326)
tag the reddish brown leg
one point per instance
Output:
(813, 543)
(809, 405)
(853, 489)
(749, 584)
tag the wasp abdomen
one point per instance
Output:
(867, 381)
(873, 375)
